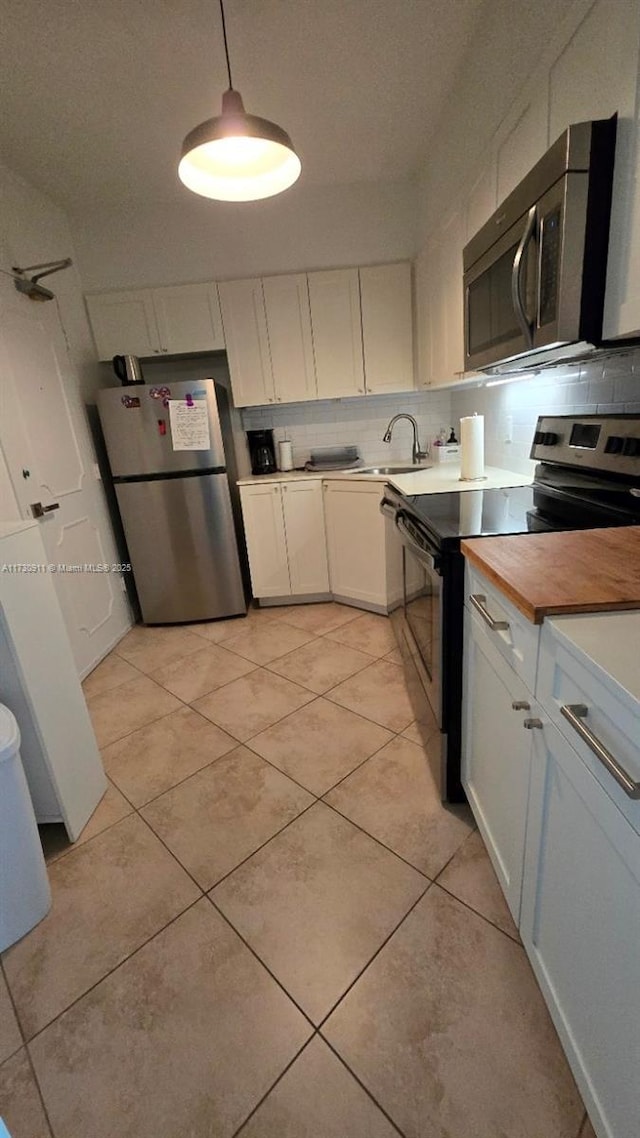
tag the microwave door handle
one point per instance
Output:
(517, 274)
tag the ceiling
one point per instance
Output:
(97, 96)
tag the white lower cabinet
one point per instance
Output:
(356, 534)
(547, 793)
(581, 928)
(497, 755)
(284, 529)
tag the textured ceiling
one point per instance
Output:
(97, 95)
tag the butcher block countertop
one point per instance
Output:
(545, 574)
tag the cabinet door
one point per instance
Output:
(266, 541)
(337, 332)
(286, 302)
(188, 318)
(496, 756)
(247, 342)
(124, 323)
(356, 541)
(581, 928)
(446, 334)
(306, 540)
(385, 295)
(422, 318)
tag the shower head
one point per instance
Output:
(33, 290)
(29, 285)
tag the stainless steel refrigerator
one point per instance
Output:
(172, 460)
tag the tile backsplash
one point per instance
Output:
(362, 421)
(605, 384)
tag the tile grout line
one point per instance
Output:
(360, 1083)
(365, 967)
(110, 971)
(260, 961)
(273, 1086)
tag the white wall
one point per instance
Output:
(317, 227)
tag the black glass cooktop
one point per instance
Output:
(474, 513)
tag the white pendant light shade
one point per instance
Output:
(237, 157)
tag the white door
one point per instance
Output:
(48, 453)
(387, 327)
(306, 541)
(188, 318)
(337, 332)
(247, 341)
(266, 541)
(286, 301)
(356, 541)
(124, 323)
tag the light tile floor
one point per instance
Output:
(271, 927)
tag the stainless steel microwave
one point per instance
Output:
(535, 274)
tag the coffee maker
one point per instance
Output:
(262, 452)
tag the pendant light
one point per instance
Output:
(236, 157)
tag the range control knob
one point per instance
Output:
(631, 448)
(549, 438)
(614, 444)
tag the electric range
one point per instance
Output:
(587, 477)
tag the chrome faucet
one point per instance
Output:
(416, 454)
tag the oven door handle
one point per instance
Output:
(408, 539)
(517, 273)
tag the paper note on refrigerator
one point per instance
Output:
(189, 424)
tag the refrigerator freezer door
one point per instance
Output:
(137, 429)
(182, 543)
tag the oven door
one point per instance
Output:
(422, 605)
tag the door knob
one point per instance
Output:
(38, 510)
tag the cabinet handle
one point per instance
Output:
(520, 705)
(479, 602)
(276, 489)
(531, 724)
(361, 391)
(284, 489)
(269, 400)
(574, 713)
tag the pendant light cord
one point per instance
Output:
(226, 46)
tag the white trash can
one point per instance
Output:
(25, 896)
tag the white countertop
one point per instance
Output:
(439, 479)
(610, 640)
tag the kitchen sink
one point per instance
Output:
(390, 469)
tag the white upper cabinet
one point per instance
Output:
(188, 318)
(156, 321)
(124, 323)
(337, 332)
(385, 295)
(521, 144)
(446, 332)
(247, 341)
(481, 200)
(286, 300)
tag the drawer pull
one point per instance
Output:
(520, 705)
(574, 713)
(532, 724)
(479, 602)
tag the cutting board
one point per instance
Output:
(545, 574)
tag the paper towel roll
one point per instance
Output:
(472, 447)
(285, 455)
